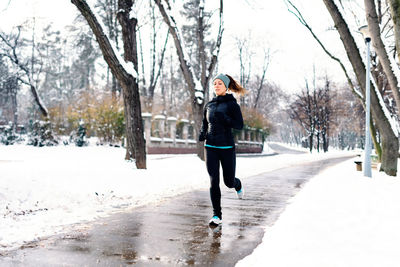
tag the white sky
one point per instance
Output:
(267, 22)
(295, 51)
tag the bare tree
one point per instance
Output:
(346, 132)
(197, 88)
(390, 143)
(108, 10)
(294, 10)
(126, 73)
(375, 31)
(389, 140)
(8, 94)
(260, 87)
(395, 14)
(245, 60)
(156, 60)
(302, 111)
(29, 68)
(325, 112)
(313, 111)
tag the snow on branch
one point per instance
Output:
(199, 91)
(392, 121)
(394, 66)
(110, 53)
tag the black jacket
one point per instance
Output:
(221, 114)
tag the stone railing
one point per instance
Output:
(172, 136)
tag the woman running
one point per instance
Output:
(222, 114)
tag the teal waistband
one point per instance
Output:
(221, 147)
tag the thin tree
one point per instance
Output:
(108, 10)
(302, 111)
(197, 88)
(28, 68)
(267, 60)
(295, 11)
(389, 139)
(390, 143)
(375, 31)
(395, 14)
(125, 72)
(150, 80)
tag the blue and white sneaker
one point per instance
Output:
(215, 221)
(240, 193)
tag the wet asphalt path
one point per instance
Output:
(175, 231)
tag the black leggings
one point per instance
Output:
(227, 157)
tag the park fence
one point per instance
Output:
(168, 135)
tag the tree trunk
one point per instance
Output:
(390, 145)
(14, 106)
(14, 58)
(131, 93)
(375, 31)
(395, 13)
(113, 89)
(127, 79)
(39, 102)
(260, 87)
(129, 153)
(324, 143)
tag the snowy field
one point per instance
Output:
(339, 219)
(45, 190)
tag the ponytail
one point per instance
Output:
(235, 86)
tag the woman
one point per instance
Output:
(222, 114)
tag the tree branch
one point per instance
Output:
(108, 53)
(216, 51)
(173, 29)
(300, 17)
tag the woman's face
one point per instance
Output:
(219, 87)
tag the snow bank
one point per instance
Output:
(340, 218)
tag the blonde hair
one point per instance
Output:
(235, 87)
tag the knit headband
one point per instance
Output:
(223, 78)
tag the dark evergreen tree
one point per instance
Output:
(41, 134)
(8, 135)
(80, 137)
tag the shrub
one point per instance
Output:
(109, 121)
(8, 136)
(41, 134)
(254, 119)
(102, 117)
(80, 137)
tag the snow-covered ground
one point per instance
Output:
(45, 190)
(339, 219)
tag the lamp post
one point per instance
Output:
(367, 157)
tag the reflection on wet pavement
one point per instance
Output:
(175, 231)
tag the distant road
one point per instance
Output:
(284, 150)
